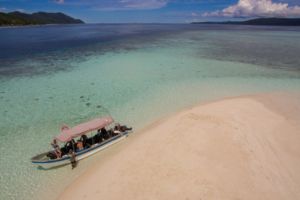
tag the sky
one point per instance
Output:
(158, 11)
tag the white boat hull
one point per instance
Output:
(65, 160)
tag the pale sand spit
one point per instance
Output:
(237, 148)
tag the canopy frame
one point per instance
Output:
(67, 134)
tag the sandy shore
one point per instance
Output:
(238, 148)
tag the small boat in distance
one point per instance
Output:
(88, 145)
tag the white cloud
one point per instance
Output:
(3, 9)
(143, 4)
(194, 14)
(256, 8)
(60, 1)
(20, 10)
(111, 5)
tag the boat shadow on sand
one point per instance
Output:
(57, 167)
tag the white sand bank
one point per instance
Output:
(239, 148)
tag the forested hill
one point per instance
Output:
(19, 18)
(261, 21)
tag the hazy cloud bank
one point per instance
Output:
(257, 8)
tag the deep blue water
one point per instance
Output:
(23, 49)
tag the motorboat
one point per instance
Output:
(102, 139)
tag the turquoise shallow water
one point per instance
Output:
(136, 79)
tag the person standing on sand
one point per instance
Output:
(72, 158)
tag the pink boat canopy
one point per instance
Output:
(68, 134)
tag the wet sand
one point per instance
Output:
(237, 148)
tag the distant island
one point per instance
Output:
(261, 21)
(19, 19)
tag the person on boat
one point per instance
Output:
(104, 133)
(72, 158)
(98, 137)
(84, 140)
(56, 148)
(69, 145)
(116, 130)
(79, 145)
(123, 128)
